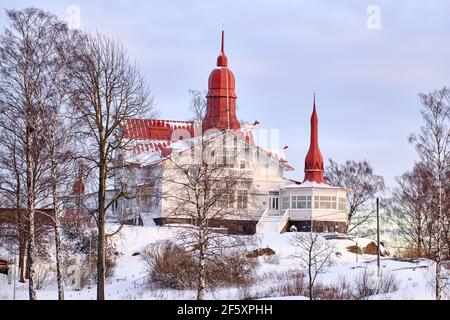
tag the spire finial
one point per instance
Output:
(222, 61)
(314, 106)
(223, 41)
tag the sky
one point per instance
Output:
(367, 61)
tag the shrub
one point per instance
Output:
(344, 289)
(170, 265)
(86, 266)
(260, 252)
(388, 283)
(43, 276)
(233, 268)
(288, 283)
(366, 284)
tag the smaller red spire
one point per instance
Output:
(222, 60)
(78, 185)
(314, 171)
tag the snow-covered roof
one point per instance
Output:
(309, 184)
(146, 152)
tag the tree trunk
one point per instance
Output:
(101, 231)
(21, 227)
(59, 276)
(438, 290)
(310, 282)
(201, 266)
(31, 248)
(55, 197)
(22, 253)
(310, 262)
(21, 237)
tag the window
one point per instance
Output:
(247, 149)
(224, 201)
(342, 204)
(144, 193)
(301, 202)
(286, 204)
(242, 199)
(221, 201)
(114, 206)
(324, 202)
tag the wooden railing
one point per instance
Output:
(284, 221)
(262, 220)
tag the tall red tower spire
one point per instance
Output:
(314, 160)
(221, 98)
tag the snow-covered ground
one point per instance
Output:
(129, 281)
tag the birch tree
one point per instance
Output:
(58, 136)
(433, 146)
(28, 59)
(107, 90)
(411, 209)
(12, 184)
(206, 186)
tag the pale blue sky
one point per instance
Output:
(281, 52)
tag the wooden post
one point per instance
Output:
(378, 238)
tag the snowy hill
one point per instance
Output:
(130, 282)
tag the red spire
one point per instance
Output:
(314, 160)
(78, 185)
(222, 60)
(221, 98)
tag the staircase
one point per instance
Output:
(271, 222)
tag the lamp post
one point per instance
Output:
(14, 276)
(14, 272)
(90, 259)
(378, 239)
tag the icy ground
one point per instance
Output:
(129, 282)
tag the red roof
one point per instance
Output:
(151, 129)
(43, 219)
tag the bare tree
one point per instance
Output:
(58, 135)
(315, 255)
(363, 185)
(433, 146)
(198, 103)
(411, 209)
(12, 186)
(108, 89)
(205, 186)
(29, 57)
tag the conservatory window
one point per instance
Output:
(242, 199)
(342, 204)
(301, 202)
(324, 202)
(286, 203)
